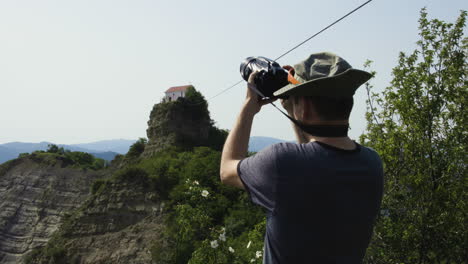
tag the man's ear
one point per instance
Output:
(300, 108)
(296, 107)
(307, 108)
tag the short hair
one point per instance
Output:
(331, 108)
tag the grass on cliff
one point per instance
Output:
(55, 156)
(6, 166)
(66, 158)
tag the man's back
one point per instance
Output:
(321, 201)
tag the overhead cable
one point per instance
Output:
(298, 45)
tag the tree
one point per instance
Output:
(137, 148)
(52, 148)
(196, 103)
(419, 127)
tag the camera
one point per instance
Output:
(271, 76)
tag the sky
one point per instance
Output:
(82, 71)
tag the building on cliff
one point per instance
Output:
(175, 92)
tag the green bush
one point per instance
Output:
(418, 126)
(6, 166)
(197, 103)
(23, 155)
(52, 148)
(164, 169)
(98, 164)
(132, 174)
(200, 206)
(98, 185)
(54, 254)
(137, 148)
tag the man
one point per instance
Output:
(321, 195)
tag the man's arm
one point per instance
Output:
(236, 146)
(237, 142)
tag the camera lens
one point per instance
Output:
(271, 75)
(246, 68)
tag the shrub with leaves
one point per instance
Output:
(207, 222)
(419, 127)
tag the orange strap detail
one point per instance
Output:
(291, 79)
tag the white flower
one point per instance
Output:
(196, 182)
(248, 245)
(214, 244)
(252, 260)
(223, 230)
(222, 237)
(385, 212)
(258, 254)
(231, 250)
(205, 193)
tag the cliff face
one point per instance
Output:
(34, 197)
(182, 124)
(118, 224)
(177, 124)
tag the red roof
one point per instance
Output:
(178, 88)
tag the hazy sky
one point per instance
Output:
(81, 71)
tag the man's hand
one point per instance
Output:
(253, 101)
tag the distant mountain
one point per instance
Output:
(7, 154)
(106, 149)
(258, 143)
(120, 146)
(23, 147)
(108, 155)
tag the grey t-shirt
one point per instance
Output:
(321, 201)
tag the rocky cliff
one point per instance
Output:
(118, 223)
(35, 193)
(55, 212)
(182, 124)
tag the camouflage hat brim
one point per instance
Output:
(343, 84)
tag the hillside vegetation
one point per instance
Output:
(180, 190)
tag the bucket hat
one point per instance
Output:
(325, 74)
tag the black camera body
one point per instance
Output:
(271, 76)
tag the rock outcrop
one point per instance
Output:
(182, 124)
(34, 197)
